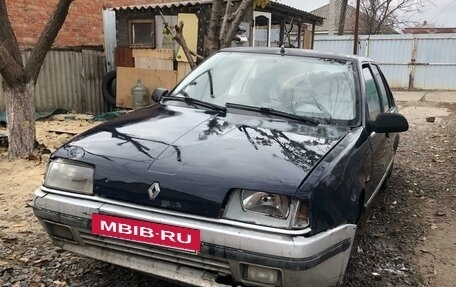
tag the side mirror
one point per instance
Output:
(158, 94)
(390, 123)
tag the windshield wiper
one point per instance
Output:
(195, 102)
(271, 111)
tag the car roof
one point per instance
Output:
(297, 52)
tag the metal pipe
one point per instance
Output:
(355, 41)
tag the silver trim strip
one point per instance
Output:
(379, 186)
(177, 214)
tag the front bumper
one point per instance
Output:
(319, 260)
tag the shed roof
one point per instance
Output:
(275, 6)
(163, 5)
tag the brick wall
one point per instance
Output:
(83, 26)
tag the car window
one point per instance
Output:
(389, 94)
(372, 95)
(313, 87)
(382, 88)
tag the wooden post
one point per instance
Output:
(282, 31)
(355, 40)
(313, 35)
(299, 34)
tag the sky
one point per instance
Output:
(439, 12)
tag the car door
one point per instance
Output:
(388, 103)
(381, 143)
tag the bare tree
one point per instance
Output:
(222, 33)
(222, 28)
(382, 16)
(19, 78)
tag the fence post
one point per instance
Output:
(412, 64)
(367, 52)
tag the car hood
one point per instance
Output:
(198, 157)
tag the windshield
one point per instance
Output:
(310, 87)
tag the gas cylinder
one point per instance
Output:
(139, 96)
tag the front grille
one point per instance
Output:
(200, 261)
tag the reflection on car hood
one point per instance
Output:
(199, 156)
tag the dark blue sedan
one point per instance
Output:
(253, 171)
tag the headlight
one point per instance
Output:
(262, 202)
(267, 209)
(69, 175)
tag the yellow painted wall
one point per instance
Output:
(190, 34)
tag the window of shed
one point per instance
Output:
(142, 33)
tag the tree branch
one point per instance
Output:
(389, 13)
(11, 71)
(225, 21)
(46, 39)
(199, 57)
(233, 16)
(179, 38)
(7, 36)
(288, 32)
(245, 4)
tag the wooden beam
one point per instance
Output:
(299, 34)
(313, 35)
(282, 30)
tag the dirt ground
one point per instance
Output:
(408, 237)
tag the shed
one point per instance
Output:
(141, 42)
(142, 25)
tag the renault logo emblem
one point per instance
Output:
(154, 190)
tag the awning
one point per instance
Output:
(274, 7)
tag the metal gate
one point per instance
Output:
(409, 61)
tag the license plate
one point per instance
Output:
(169, 236)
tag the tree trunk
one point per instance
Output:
(19, 81)
(214, 26)
(225, 21)
(20, 111)
(229, 37)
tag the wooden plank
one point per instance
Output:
(307, 39)
(166, 54)
(183, 69)
(151, 63)
(123, 57)
(190, 34)
(152, 79)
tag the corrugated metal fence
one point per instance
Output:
(69, 80)
(408, 61)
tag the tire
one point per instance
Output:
(108, 87)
